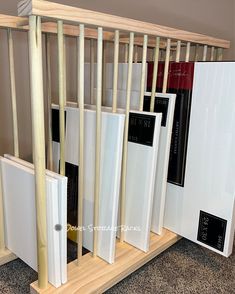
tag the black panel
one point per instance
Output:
(160, 106)
(71, 171)
(56, 125)
(141, 128)
(212, 230)
(179, 140)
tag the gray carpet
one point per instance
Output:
(183, 268)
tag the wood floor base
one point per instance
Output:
(6, 256)
(96, 276)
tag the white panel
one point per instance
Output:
(62, 206)
(122, 78)
(162, 164)
(141, 173)
(20, 217)
(111, 157)
(209, 180)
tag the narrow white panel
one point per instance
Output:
(62, 206)
(141, 173)
(111, 157)
(209, 186)
(20, 217)
(165, 104)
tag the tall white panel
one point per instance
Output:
(165, 104)
(20, 217)
(203, 210)
(62, 208)
(143, 144)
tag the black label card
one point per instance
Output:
(179, 139)
(56, 125)
(161, 106)
(212, 230)
(141, 128)
(71, 171)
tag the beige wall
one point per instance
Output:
(212, 17)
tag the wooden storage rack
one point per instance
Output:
(90, 274)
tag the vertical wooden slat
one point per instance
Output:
(61, 95)
(2, 233)
(104, 74)
(125, 144)
(81, 141)
(49, 101)
(187, 56)
(212, 54)
(178, 50)
(136, 54)
(204, 53)
(115, 70)
(166, 69)
(38, 134)
(126, 53)
(196, 57)
(13, 93)
(98, 138)
(65, 73)
(143, 73)
(92, 69)
(155, 72)
(219, 56)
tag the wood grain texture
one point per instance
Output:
(68, 13)
(38, 132)
(96, 276)
(6, 256)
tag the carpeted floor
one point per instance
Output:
(184, 268)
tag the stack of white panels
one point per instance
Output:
(203, 209)
(165, 104)
(20, 218)
(111, 158)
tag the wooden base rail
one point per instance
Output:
(96, 276)
(6, 256)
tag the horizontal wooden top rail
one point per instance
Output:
(71, 14)
(21, 24)
(14, 22)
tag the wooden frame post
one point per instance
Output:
(98, 139)
(49, 101)
(38, 132)
(196, 57)
(115, 71)
(178, 49)
(155, 71)
(167, 60)
(81, 142)
(126, 53)
(13, 92)
(204, 53)
(187, 56)
(219, 56)
(143, 72)
(92, 70)
(212, 58)
(61, 95)
(125, 144)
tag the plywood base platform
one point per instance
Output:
(6, 256)
(96, 276)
